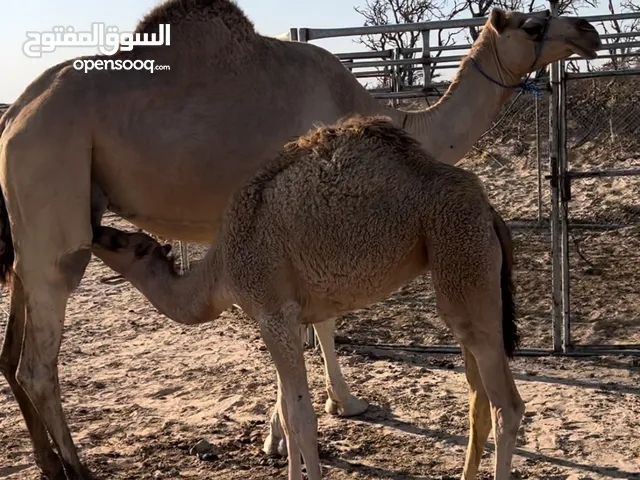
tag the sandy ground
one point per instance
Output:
(140, 391)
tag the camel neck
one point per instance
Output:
(450, 128)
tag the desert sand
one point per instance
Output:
(140, 391)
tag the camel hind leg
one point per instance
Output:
(476, 325)
(46, 459)
(38, 369)
(48, 198)
(470, 282)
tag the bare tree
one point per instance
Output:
(383, 12)
(622, 57)
(406, 45)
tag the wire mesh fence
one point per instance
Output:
(603, 144)
(604, 112)
(506, 160)
(512, 160)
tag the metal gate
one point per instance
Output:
(556, 181)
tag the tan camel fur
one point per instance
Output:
(339, 220)
(166, 151)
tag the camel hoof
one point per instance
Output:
(83, 473)
(275, 447)
(354, 406)
(54, 474)
(50, 466)
(73, 474)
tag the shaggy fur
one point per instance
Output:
(341, 218)
(175, 11)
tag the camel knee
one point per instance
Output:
(508, 418)
(8, 364)
(10, 354)
(302, 418)
(36, 379)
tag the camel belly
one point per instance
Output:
(180, 197)
(176, 230)
(334, 294)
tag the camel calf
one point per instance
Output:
(340, 219)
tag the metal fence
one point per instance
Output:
(598, 123)
(581, 116)
(562, 123)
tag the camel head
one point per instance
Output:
(527, 42)
(133, 255)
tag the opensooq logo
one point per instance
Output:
(107, 39)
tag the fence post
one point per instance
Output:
(426, 60)
(565, 196)
(556, 273)
(303, 36)
(390, 72)
(184, 256)
(397, 74)
(538, 159)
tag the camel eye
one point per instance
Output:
(532, 28)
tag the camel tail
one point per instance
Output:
(7, 253)
(509, 327)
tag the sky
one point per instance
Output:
(271, 17)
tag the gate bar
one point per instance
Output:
(524, 352)
(603, 173)
(556, 277)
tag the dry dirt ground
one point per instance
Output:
(140, 391)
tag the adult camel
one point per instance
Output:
(166, 150)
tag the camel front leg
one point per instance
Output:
(275, 444)
(281, 335)
(46, 459)
(340, 402)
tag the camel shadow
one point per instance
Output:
(382, 415)
(439, 362)
(376, 472)
(607, 387)
(6, 471)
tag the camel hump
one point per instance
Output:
(375, 128)
(175, 11)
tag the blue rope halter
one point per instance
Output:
(526, 85)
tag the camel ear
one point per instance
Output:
(166, 249)
(498, 19)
